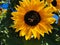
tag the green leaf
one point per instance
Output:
(14, 41)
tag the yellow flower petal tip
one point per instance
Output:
(33, 18)
(49, 1)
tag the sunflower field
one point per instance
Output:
(29, 22)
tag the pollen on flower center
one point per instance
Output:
(32, 18)
(54, 3)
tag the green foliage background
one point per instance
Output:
(9, 37)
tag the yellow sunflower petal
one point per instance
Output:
(49, 1)
(29, 34)
(19, 27)
(51, 20)
(45, 28)
(23, 32)
(26, 2)
(38, 36)
(34, 33)
(58, 4)
(42, 5)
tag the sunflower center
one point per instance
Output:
(32, 18)
(54, 3)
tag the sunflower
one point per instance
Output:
(52, 3)
(56, 3)
(33, 19)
